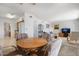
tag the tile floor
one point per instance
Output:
(69, 49)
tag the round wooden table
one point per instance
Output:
(32, 43)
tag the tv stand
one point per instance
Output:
(63, 34)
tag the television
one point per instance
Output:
(65, 30)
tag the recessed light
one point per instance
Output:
(21, 3)
(30, 16)
(33, 3)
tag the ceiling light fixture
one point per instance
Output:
(10, 16)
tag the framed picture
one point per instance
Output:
(56, 26)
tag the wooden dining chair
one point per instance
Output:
(19, 51)
(14, 52)
(34, 52)
(24, 35)
(46, 36)
(44, 50)
(22, 51)
(21, 36)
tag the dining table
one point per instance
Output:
(30, 43)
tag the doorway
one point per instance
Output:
(20, 26)
(7, 30)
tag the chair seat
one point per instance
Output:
(8, 50)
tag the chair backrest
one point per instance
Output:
(24, 35)
(21, 36)
(47, 47)
(18, 36)
(46, 36)
(74, 36)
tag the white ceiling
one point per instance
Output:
(44, 11)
